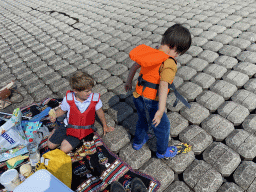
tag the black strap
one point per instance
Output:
(79, 127)
(144, 83)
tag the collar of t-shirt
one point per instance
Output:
(82, 106)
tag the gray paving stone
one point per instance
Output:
(233, 112)
(209, 56)
(28, 79)
(204, 80)
(251, 48)
(230, 187)
(101, 75)
(247, 56)
(171, 98)
(196, 31)
(107, 63)
(67, 70)
(183, 59)
(223, 88)
(251, 85)
(116, 139)
(222, 158)
(58, 85)
(178, 186)
(120, 111)
(229, 50)
(232, 32)
(196, 114)
(199, 41)
(109, 99)
(200, 176)
(197, 137)
(245, 98)
(44, 71)
(249, 124)
(130, 122)
(217, 71)
(155, 166)
(245, 174)
(135, 158)
(177, 123)
(223, 38)
(241, 26)
(178, 81)
(218, 127)
(120, 91)
(236, 78)
(50, 78)
(210, 100)
(208, 35)
(91, 69)
(98, 88)
(243, 143)
(240, 43)
(213, 46)
(190, 90)
(34, 86)
(186, 73)
(112, 82)
(246, 68)
(41, 94)
(194, 50)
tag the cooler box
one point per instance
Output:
(42, 181)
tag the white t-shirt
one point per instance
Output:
(82, 106)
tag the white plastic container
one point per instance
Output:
(42, 181)
(10, 179)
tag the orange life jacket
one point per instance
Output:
(150, 60)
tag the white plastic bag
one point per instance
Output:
(11, 132)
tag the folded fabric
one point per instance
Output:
(30, 128)
(12, 163)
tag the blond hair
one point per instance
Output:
(81, 81)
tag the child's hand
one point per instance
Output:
(52, 115)
(128, 86)
(107, 129)
(157, 118)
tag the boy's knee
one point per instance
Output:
(51, 145)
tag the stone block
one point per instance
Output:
(210, 100)
(26, 80)
(101, 75)
(91, 69)
(204, 25)
(204, 80)
(135, 158)
(241, 26)
(130, 123)
(217, 28)
(229, 50)
(233, 112)
(196, 114)
(41, 94)
(215, 70)
(110, 51)
(196, 31)
(249, 124)
(98, 88)
(98, 124)
(107, 63)
(194, 50)
(50, 78)
(102, 47)
(245, 174)
(81, 49)
(243, 143)
(199, 41)
(251, 85)
(236, 78)
(120, 111)
(197, 137)
(232, 32)
(89, 53)
(21, 72)
(34, 86)
(222, 158)
(246, 68)
(223, 88)
(186, 73)
(183, 59)
(190, 90)
(247, 56)
(116, 139)
(97, 58)
(208, 35)
(226, 61)
(160, 171)
(223, 38)
(112, 82)
(177, 123)
(208, 55)
(249, 36)
(58, 85)
(28, 100)
(122, 45)
(171, 98)
(67, 70)
(117, 69)
(178, 186)
(201, 176)
(241, 43)
(178, 81)
(230, 187)
(218, 127)
(245, 98)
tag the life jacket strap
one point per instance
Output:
(80, 127)
(179, 97)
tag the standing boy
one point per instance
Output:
(81, 105)
(158, 69)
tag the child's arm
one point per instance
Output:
(163, 91)
(128, 84)
(101, 116)
(59, 112)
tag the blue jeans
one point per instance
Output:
(162, 131)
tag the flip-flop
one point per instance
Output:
(183, 148)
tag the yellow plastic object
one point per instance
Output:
(12, 161)
(59, 164)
